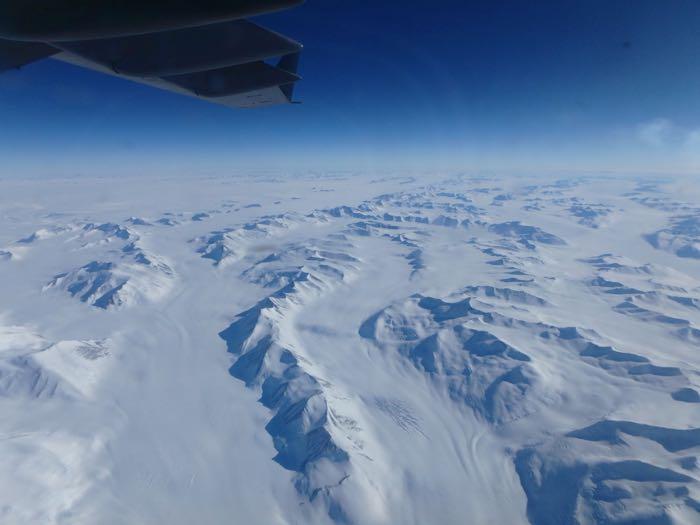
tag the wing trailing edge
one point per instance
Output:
(14, 55)
(232, 62)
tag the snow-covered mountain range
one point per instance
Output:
(350, 349)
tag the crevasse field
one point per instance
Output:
(350, 349)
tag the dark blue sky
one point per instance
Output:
(591, 84)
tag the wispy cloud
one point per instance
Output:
(658, 133)
(666, 136)
(666, 145)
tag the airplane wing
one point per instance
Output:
(199, 51)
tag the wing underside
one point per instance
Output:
(234, 63)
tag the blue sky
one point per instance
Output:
(583, 85)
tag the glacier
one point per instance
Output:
(349, 348)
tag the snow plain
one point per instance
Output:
(350, 349)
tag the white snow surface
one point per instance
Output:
(350, 349)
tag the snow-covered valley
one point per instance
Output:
(350, 349)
